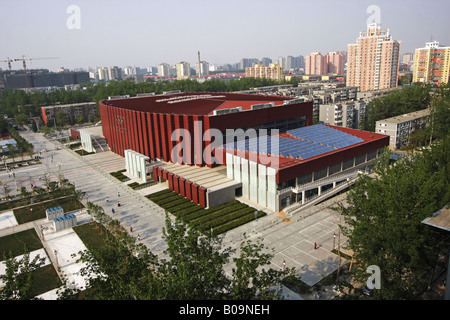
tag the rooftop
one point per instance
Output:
(440, 219)
(408, 116)
(304, 144)
(198, 103)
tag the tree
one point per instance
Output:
(397, 102)
(194, 270)
(384, 220)
(18, 277)
(34, 126)
(11, 151)
(440, 112)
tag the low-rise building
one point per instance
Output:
(72, 111)
(399, 128)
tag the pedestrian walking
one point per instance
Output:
(118, 203)
(107, 200)
(113, 210)
(118, 193)
(315, 246)
(284, 264)
(131, 229)
(139, 237)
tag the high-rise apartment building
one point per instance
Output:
(266, 61)
(294, 62)
(432, 63)
(373, 61)
(407, 58)
(163, 69)
(183, 70)
(335, 61)
(202, 68)
(316, 64)
(247, 62)
(109, 73)
(319, 64)
(114, 73)
(274, 72)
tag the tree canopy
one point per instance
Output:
(17, 102)
(193, 270)
(384, 220)
(397, 102)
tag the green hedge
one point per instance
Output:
(220, 213)
(233, 215)
(220, 219)
(236, 223)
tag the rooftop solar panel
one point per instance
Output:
(307, 142)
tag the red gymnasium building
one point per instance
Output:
(146, 124)
(175, 128)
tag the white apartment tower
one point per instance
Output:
(183, 70)
(203, 68)
(163, 69)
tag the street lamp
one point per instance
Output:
(334, 239)
(59, 164)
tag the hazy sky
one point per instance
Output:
(146, 33)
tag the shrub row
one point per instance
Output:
(158, 193)
(175, 202)
(220, 213)
(225, 219)
(186, 211)
(119, 175)
(137, 185)
(220, 218)
(236, 223)
(193, 216)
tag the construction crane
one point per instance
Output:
(9, 62)
(25, 66)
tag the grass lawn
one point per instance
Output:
(16, 243)
(44, 278)
(24, 214)
(217, 220)
(89, 233)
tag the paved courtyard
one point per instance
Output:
(292, 238)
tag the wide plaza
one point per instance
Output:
(291, 237)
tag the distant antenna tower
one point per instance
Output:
(199, 66)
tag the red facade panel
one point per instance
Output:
(155, 173)
(170, 181)
(197, 136)
(188, 125)
(202, 196)
(163, 134)
(157, 139)
(182, 187)
(177, 127)
(188, 189)
(195, 193)
(170, 128)
(143, 131)
(176, 184)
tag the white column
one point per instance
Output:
(271, 188)
(245, 179)
(262, 185)
(253, 181)
(229, 159)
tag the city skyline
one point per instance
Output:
(120, 33)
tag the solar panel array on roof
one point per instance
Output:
(306, 142)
